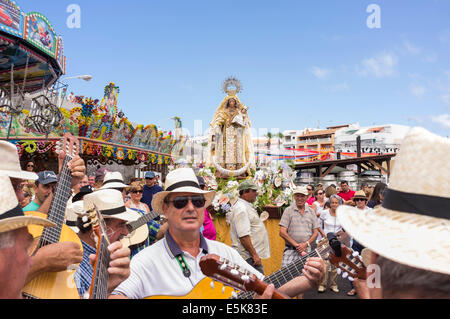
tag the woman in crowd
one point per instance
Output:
(330, 224)
(377, 196)
(320, 201)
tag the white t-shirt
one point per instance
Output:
(155, 271)
(329, 223)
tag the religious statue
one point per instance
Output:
(230, 139)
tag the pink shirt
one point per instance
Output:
(311, 200)
(209, 231)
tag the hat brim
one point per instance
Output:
(20, 174)
(13, 223)
(306, 194)
(114, 185)
(158, 198)
(411, 239)
(128, 215)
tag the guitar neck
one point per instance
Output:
(99, 288)
(57, 209)
(142, 221)
(283, 275)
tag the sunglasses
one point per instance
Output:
(320, 193)
(137, 192)
(181, 201)
(359, 199)
(30, 165)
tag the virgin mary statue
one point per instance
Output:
(230, 140)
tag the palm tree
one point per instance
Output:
(280, 137)
(269, 137)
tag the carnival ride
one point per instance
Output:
(35, 110)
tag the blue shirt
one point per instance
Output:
(148, 193)
(83, 275)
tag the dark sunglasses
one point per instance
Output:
(30, 165)
(320, 193)
(136, 192)
(181, 201)
(359, 199)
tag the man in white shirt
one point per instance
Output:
(176, 271)
(248, 233)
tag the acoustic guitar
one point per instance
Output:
(138, 230)
(99, 284)
(55, 285)
(207, 288)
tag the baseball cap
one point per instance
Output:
(149, 175)
(47, 177)
(247, 184)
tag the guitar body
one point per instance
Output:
(203, 290)
(136, 237)
(52, 285)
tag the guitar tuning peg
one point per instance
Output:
(355, 253)
(345, 275)
(351, 278)
(234, 272)
(234, 294)
(339, 271)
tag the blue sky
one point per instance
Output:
(301, 63)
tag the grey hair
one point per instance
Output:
(339, 198)
(8, 239)
(398, 279)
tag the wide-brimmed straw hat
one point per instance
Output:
(113, 180)
(10, 163)
(181, 180)
(412, 225)
(11, 214)
(110, 204)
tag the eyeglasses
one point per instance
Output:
(138, 192)
(320, 193)
(181, 201)
(30, 165)
(359, 199)
(309, 189)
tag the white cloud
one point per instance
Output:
(445, 98)
(340, 87)
(417, 90)
(383, 65)
(443, 120)
(410, 48)
(321, 73)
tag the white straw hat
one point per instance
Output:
(113, 180)
(412, 226)
(73, 211)
(10, 163)
(110, 204)
(300, 190)
(11, 214)
(181, 180)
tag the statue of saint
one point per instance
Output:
(230, 139)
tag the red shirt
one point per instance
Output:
(347, 196)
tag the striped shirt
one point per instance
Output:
(299, 226)
(153, 228)
(83, 275)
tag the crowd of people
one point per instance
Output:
(377, 219)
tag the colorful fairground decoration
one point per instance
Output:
(102, 130)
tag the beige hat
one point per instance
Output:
(181, 180)
(113, 180)
(360, 194)
(11, 214)
(412, 226)
(110, 204)
(10, 163)
(300, 190)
